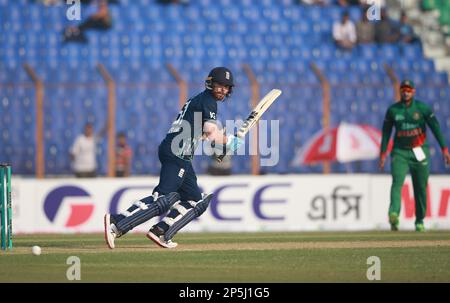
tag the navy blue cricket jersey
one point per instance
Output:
(195, 112)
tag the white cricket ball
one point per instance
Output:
(36, 250)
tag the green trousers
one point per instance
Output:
(402, 161)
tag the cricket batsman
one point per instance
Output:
(410, 152)
(177, 191)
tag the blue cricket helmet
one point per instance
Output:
(221, 75)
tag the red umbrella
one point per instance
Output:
(345, 143)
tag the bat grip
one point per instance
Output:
(220, 158)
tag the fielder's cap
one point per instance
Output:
(407, 83)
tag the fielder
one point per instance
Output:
(410, 118)
(177, 190)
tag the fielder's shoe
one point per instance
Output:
(156, 234)
(111, 232)
(394, 221)
(420, 227)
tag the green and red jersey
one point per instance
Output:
(410, 125)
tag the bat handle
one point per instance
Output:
(220, 158)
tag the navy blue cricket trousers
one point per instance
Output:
(177, 175)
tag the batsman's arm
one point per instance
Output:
(212, 132)
(233, 143)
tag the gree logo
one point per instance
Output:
(68, 206)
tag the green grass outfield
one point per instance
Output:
(234, 257)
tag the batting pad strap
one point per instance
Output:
(193, 203)
(192, 213)
(150, 199)
(180, 209)
(141, 205)
(170, 221)
(177, 211)
(132, 209)
(143, 214)
(179, 224)
(126, 213)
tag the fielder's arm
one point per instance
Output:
(386, 134)
(433, 123)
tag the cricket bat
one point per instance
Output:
(255, 115)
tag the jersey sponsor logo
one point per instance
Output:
(399, 117)
(416, 116)
(410, 133)
(406, 126)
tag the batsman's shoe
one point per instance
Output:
(420, 227)
(394, 221)
(110, 231)
(156, 234)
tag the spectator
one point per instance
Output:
(123, 156)
(83, 153)
(344, 33)
(365, 30)
(50, 2)
(406, 31)
(368, 3)
(385, 30)
(342, 3)
(345, 3)
(100, 20)
(315, 2)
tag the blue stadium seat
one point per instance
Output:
(412, 51)
(368, 51)
(388, 51)
(278, 39)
